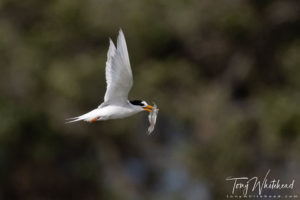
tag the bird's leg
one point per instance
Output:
(95, 119)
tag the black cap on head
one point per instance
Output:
(137, 102)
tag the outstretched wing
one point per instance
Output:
(118, 72)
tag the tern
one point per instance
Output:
(119, 82)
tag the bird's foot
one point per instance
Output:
(95, 119)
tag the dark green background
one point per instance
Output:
(225, 75)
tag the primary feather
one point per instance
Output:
(118, 72)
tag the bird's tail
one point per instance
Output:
(74, 119)
(88, 117)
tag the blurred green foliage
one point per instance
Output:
(225, 75)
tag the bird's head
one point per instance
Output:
(143, 105)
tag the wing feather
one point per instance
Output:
(118, 72)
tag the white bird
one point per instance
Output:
(119, 82)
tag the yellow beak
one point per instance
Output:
(148, 108)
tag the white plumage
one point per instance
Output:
(119, 82)
(118, 71)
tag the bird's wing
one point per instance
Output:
(118, 72)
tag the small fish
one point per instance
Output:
(152, 118)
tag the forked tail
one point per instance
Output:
(74, 119)
(91, 116)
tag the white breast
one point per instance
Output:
(115, 112)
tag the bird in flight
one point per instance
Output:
(119, 82)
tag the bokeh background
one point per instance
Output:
(225, 75)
